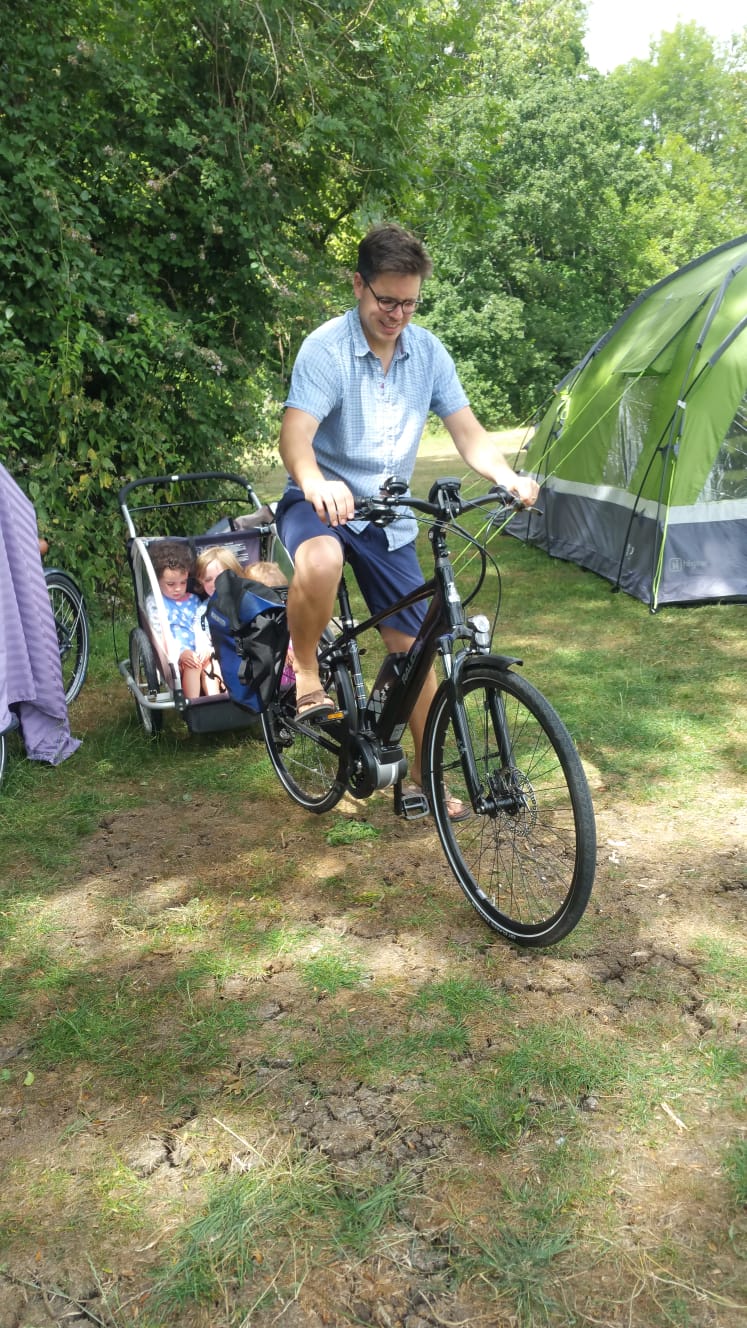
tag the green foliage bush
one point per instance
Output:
(182, 187)
(169, 178)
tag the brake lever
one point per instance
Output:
(511, 501)
(374, 510)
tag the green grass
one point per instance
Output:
(163, 1039)
(517, 1270)
(351, 831)
(303, 960)
(331, 973)
(459, 997)
(735, 1168)
(666, 687)
(245, 1220)
(364, 1211)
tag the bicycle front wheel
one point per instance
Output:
(526, 858)
(71, 623)
(310, 760)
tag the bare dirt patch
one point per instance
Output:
(286, 1083)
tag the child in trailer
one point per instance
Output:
(172, 564)
(213, 561)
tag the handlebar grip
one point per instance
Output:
(505, 495)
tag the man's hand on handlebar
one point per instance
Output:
(524, 487)
(332, 501)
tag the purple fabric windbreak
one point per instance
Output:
(30, 671)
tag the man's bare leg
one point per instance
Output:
(311, 602)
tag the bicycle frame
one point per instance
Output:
(443, 625)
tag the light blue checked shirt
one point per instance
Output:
(371, 423)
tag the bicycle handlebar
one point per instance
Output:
(444, 501)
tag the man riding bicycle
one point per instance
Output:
(361, 390)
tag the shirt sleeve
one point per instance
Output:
(448, 394)
(315, 385)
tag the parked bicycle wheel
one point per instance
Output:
(311, 765)
(527, 862)
(71, 622)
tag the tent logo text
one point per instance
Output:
(686, 565)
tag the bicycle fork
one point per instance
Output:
(496, 790)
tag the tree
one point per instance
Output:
(691, 101)
(170, 176)
(557, 195)
(534, 233)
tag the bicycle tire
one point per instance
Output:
(528, 865)
(71, 623)
(144, 670)
(311, 762)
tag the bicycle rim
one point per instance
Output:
(526, 863)
(71, 625)
(310, 760)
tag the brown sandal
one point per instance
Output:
(314, 705)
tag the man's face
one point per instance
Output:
(381, 327)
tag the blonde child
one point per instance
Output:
(210, 564)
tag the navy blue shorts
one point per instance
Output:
(383, 574)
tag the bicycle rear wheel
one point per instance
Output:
(310, 760)
(526, 861)
(71, 623)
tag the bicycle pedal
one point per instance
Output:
(410, 806)
(332, 717)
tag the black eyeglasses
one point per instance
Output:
(389, 305)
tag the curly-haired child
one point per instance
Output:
(172, 563)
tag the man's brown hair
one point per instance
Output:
(390, 248)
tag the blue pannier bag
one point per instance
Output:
(249, 630)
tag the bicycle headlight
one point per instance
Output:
(480, 627)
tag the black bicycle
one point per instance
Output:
(526, 856)
(71, 623)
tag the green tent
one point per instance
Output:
(642, 453)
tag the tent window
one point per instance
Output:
(631, 427)
(728, 478)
